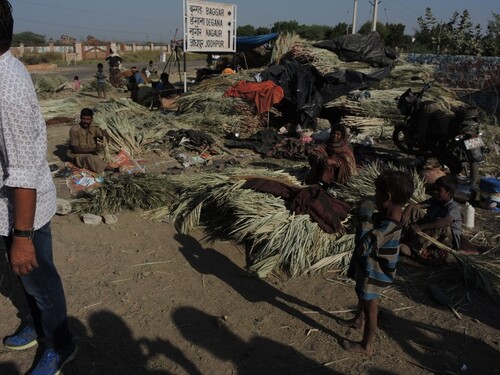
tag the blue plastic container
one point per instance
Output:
(489, 188)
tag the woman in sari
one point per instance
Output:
(332, 162)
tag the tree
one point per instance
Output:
(366, 28)
(340, 29)
(426, 39)
(247, 30)
(286, 27)
(459, 36)
(313, 32)
(396, 37)
(262, 30)
(462, 36)
(491, 41)
(28, 38)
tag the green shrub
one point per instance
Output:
(42, 58)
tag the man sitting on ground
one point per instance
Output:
(84, 147)
(164, 87)
(139, 79)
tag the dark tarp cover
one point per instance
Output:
(247, 43)
(336, 84)
(358, 47)
(298, 85)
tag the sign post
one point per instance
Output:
(209, 27)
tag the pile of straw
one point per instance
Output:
(50, 84)
(362, 186)
(277, 239)
(131, 126)
(478, 271)
(129, 192)
(205, 108)
(68, 107)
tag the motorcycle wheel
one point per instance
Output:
(465, 167)
(471, 170)
(400, 140)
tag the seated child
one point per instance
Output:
(373, 264)
(442, 221)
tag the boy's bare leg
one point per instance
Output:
(366, 344)
(359, 317)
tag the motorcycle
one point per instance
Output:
(427, 131)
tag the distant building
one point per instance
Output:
(66, 39)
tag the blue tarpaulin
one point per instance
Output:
(246, 43)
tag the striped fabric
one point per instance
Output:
(376, 255)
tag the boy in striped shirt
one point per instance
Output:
(373, 264)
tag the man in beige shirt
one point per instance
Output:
(84, 146)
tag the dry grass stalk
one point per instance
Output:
(480, 271)
(131, 126)
(51, 108)
(362, 186)
(128, 192)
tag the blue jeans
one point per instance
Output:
(45, 295)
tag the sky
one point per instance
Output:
(162, 20)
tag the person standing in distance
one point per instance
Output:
(27, 204)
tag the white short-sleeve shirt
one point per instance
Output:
(23, 145)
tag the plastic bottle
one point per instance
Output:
(469, 215)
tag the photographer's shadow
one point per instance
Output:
(259, 355)
(211, 262)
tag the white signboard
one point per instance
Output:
(209, 27)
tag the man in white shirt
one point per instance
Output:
(27, 204)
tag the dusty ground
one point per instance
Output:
(144, 299)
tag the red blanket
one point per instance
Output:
(264, 94)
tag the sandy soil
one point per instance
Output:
(144, 299)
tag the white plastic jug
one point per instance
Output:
(469, 215)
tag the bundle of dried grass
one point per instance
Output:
(206, 108)
(278, 239)
(131, 126)
(50, 83)
(362, 185)
(380, 108)
(323, 60)
(68, 107)
(479, 271)
(284, 44)
(92, 86)
(218, 115)
(128, 192)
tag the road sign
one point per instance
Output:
(209, 27)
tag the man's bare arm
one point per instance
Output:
(22, 251)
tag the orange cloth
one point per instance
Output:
(228, 71)
(264, 94)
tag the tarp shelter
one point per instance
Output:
(247, 43)
(367, 48)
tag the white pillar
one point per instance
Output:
(354, 15)
(375, 11)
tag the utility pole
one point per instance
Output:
(354, 15)
(375, 11)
